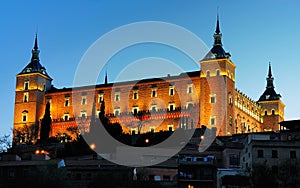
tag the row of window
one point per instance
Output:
(260, 154)
(151, 129)
(218, 73)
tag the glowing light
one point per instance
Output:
(147, 141)
(92, 146)
(201, 137)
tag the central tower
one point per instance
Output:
(217, 87)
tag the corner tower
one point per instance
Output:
(272, 106)
(31, 85)
(217, 87)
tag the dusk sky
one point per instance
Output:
(254, 32)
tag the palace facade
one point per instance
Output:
(189, 100)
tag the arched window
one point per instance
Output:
(273, 112)
(218, 72)
(266, 112)
(207, 73)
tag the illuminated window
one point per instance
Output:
(218, 72)
(26, 85)
(190, 88)
(207, 73)
(100, 97)
(24, 115)
(171, 90)
(133, 131)
(117, 111)
(135, 110)
(135, 95)
(170, 127)
(230, 99)
(171, 107)
(213, 98)
(153, 108)
(25, 97)
(83, 114)
(83, 100)
(154, 93)
(67, 101)
(230, 121)
(189, 105)
(66, 117)
(273, 112)
(213, 120)
(152, 129)
(117, 96)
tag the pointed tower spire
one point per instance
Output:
(270, 71)
(270, 78)
(218, 25)
(218, 35)
(106, 78)
(35, 51)
(269, 93)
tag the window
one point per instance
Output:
(190, 88)
(67, 101)
(230, 120)
(135, 95)
(170, 127)
(207, 73)
(83, 114)
(218, 72)
(213, 120)
(230, 100)
(293, 154)
(11, 173)
(189, 105)
(66, 117)
(171, 107)
(25, 97)
(26, 85)
(274, 154)
(83, 100)
(266, 112)
(213, 98)
(153, 108)
(234, 160)
(133, 131)
(260, 153)
(153, 93)
(171, 90)
(273, 112)
(135, 110)
(116, 111)
(275, 170)
(100, 97)
(117, 96)
(152, 129)
(24, 115)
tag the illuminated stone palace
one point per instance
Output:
(189, 100)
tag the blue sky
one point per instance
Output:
(254, 32)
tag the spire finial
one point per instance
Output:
(105, 79)
(270, 71)
(218, 24)
(35, 43)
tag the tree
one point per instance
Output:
(5, 142)
(46, 124)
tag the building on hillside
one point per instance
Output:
(189, 100)
(271, 158)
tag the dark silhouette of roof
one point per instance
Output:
(34, 65)
(217, 51)
(270, 93)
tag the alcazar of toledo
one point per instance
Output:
(203, 97)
